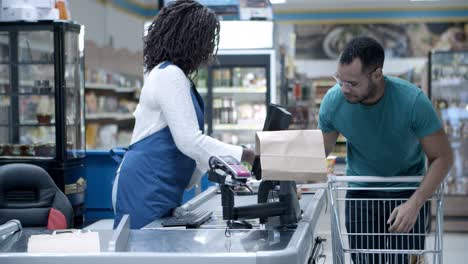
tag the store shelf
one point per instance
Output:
(450, 82)
(27, 94)
(110, 116)
(202, 90)
(234, 90)
(109, 87)
(236, 127)
(36, 125)
(38, 62)
(31, 83)
(26, 157)
(240, 89)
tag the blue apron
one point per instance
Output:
(154, 174)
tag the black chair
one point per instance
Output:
(27, 193)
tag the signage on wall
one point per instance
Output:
(400, 40)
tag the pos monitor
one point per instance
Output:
(278, 118)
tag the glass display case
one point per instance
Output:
(236, 89)
(449, 91)
(41, 98)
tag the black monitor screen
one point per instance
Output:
(278, 118)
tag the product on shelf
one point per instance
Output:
(42, 87)
(44, 150)
(124, 137)
(44, 110)
(28, 150)
(107, 137)
(239, 77)
(111, 98)
(107, 104)
(224, 111)
(91, 135)
(91, 102)
(126, 106)
(200, 78)
(101, 76)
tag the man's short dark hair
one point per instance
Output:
(367, 49)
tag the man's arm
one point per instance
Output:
(440, 158)
(329, 140)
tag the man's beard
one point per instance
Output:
(371, 92)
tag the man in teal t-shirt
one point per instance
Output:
(390, 127)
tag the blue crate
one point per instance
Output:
(100, 174)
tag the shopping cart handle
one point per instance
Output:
(390, 179)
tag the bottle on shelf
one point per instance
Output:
(216, 78)
(225, 109)
(226, 78)
(216, 110)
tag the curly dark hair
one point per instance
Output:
(185, 33)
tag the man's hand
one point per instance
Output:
(403, 217)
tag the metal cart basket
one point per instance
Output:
(360, 208)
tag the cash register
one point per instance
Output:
(277, 201)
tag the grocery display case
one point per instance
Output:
(41, 101)
(449, 92)
(237, 88)
(448, 87)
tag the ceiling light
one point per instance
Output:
(277, 1)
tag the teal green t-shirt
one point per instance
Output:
(382, 139)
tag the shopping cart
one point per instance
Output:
(359, 216)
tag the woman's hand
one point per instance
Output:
(248, 155)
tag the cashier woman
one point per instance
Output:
(169, 151)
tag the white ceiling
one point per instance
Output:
(307, 5)
(343, 4)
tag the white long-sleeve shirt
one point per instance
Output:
(166, 100)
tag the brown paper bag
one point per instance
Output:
(297, 155)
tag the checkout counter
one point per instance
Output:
(279, 228)
(207, 244)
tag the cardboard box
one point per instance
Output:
(29, 14)
(297, 155)
(28, 3)
(48, 14)
(14, 14)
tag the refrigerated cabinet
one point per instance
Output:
(41, 102)
(449, 92)
(237, 87)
